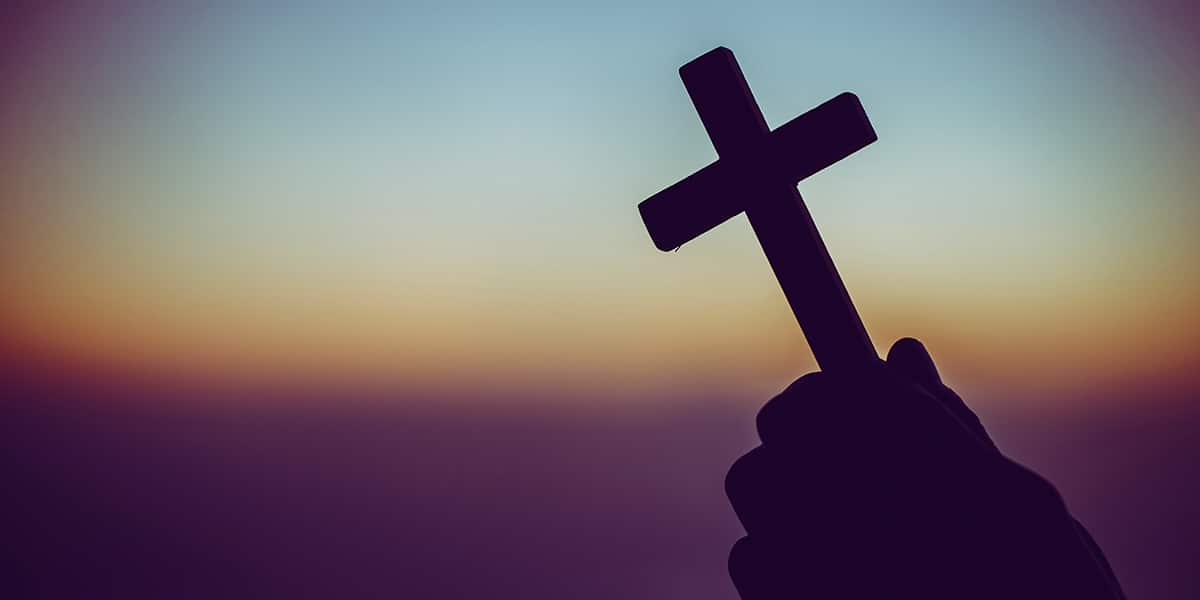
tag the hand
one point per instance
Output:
(885, 485)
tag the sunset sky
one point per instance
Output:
(444, 194)
(353, 300)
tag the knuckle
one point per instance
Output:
(740, 564)
(741, 552)
(784, 418)
(1037, 490)
(745, 472)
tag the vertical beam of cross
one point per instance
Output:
(764, 185)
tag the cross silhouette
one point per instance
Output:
(757, 172)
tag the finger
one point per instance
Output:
(909, 358)
(783, 419)
(820, 413)
(762, 493)
(765, 568)
(755, 574)
(775, 493)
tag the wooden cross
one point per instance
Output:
(757, 172)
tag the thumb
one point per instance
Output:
(909, 358)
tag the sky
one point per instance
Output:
(443, 195)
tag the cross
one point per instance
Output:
(757, 172)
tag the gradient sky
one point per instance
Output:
(444, 194)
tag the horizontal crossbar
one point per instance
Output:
(789, 154)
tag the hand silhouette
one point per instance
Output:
(885, 485)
